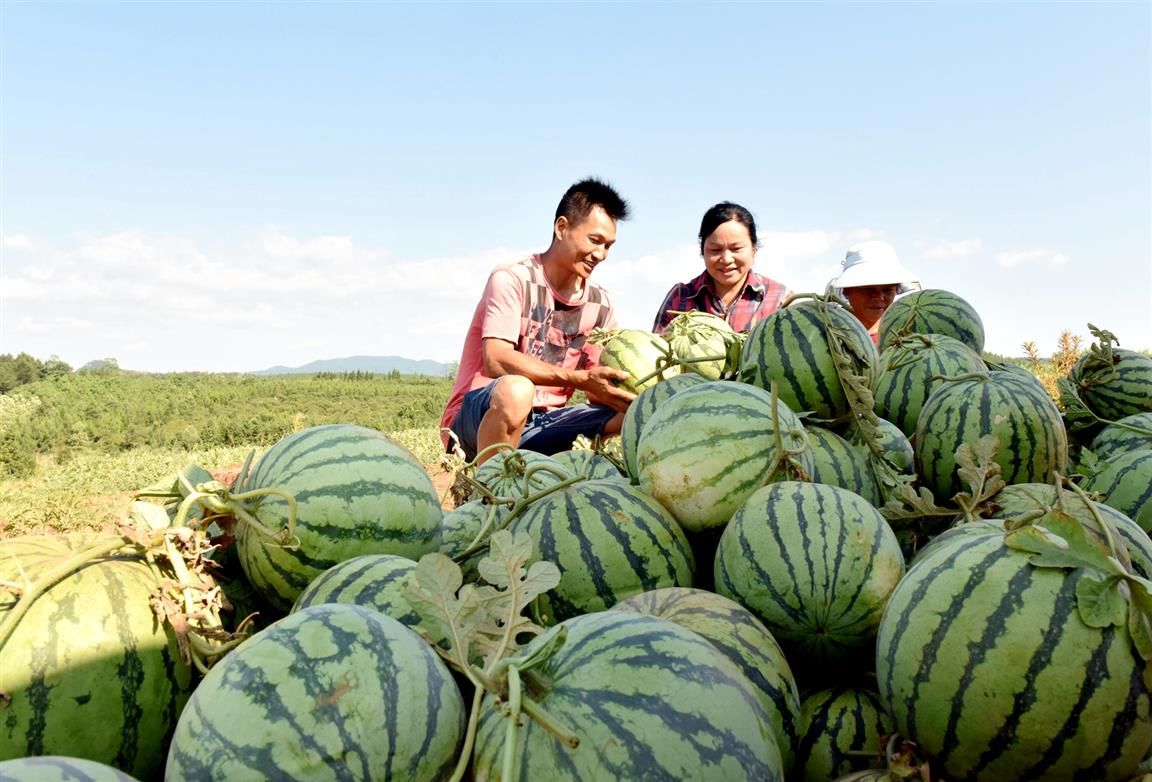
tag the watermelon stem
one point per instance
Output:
(469, 733)
(508, 767)
(518, 505)
(284, 538)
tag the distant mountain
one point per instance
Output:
(376, 364)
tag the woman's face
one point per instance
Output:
(869, 301)
(728, 254)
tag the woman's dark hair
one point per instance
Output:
(722, 213)
(585, 195)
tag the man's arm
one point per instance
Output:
(502, 358)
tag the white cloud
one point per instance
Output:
(162, 303)
(1037, 256)
(949, 249)
(17, 242)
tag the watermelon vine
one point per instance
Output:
(484, 626)
(1107, 592)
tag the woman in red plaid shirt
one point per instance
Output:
(728, 287)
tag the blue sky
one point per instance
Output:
(230, 186)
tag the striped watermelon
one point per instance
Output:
(815, 563)
(641, 410)
(357, 492)
(932, 311)
(1130, 433)
(56, 768)
(1033, 443)
(897, 448)
(697, 335)
(640, 354)
(835, 723)
(330, 692)
(744, 640)
(505, 473)
(647, 699)
(610, 540)
(88, 671)
(909, 370)
(587, 464)
(1125, 483)
(837, 462)
(376, 581)
(1028, 501)
(460, 527)
(984, 662)
(1115, 388)
(790, 349)
(707, 448)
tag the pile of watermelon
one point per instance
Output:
(805, 558)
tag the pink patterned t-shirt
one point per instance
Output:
(519, 306)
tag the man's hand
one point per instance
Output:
(600, 388)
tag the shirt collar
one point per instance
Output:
(698, 286)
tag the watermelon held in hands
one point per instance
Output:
(356, 492)
(646, 357)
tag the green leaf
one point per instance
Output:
(167, 488)
(1088, 463)
(977, 468)
(1140, 616)
(153, 516)
(1058, 540)
(432, 593)
(190, 476)
(1100, 601)
(515, 589)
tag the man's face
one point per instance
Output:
(586, 243)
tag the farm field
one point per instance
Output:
(72, 449)
(781, 544)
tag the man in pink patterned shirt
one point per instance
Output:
(526, 352)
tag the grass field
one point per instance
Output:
(73, 449)
(92, 490)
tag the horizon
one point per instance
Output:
(222, 187)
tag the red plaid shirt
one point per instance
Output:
(759, 299)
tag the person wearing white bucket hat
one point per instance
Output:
(871, 278)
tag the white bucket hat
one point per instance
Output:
(873, 263)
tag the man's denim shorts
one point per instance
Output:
(546, 431)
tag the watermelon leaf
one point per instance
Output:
(152, 516)
(1140, 616)
(513, 589)
(1058, 540)
(1099, 600)
(447, 608)
(977, 468)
